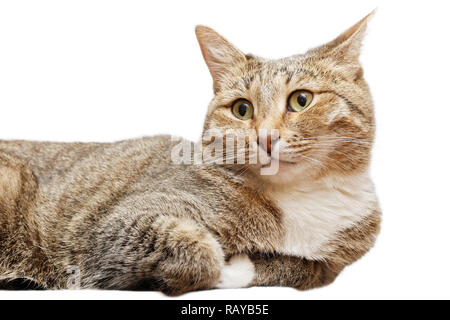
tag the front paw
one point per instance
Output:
(239, 272)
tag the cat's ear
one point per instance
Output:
(346, 48)
(219, 54)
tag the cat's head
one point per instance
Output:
(318, 101)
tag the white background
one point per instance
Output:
(108, 70)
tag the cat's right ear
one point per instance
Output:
(219, 54)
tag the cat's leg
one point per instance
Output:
(21, 256)
(192, 258)
(295, 272)
(169, 254)
(276, 270)
(282, 270)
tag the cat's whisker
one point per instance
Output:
(313, 160)
(334, 138)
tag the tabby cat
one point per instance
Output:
(125, 216)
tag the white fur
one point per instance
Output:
(238, 273)
(315, 214)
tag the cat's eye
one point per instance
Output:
(242, 109)
(299, 100)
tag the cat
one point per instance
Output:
(125, 216)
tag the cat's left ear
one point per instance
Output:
(346, 48)
(219, 54)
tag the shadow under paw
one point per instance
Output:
(20, 284)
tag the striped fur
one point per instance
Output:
(129, 218)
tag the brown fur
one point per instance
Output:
(131, 219)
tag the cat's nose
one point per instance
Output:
(266, 142)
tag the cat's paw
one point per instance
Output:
(239, 272)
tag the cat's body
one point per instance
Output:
(101, 207)
(129, 218)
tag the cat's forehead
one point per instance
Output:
(270, 69)
(264, 79)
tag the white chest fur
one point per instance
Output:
(314, 215)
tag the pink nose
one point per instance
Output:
(266, 143)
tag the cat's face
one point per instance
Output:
(318, 102)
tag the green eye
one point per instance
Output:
(242, 109)
(299, 100)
